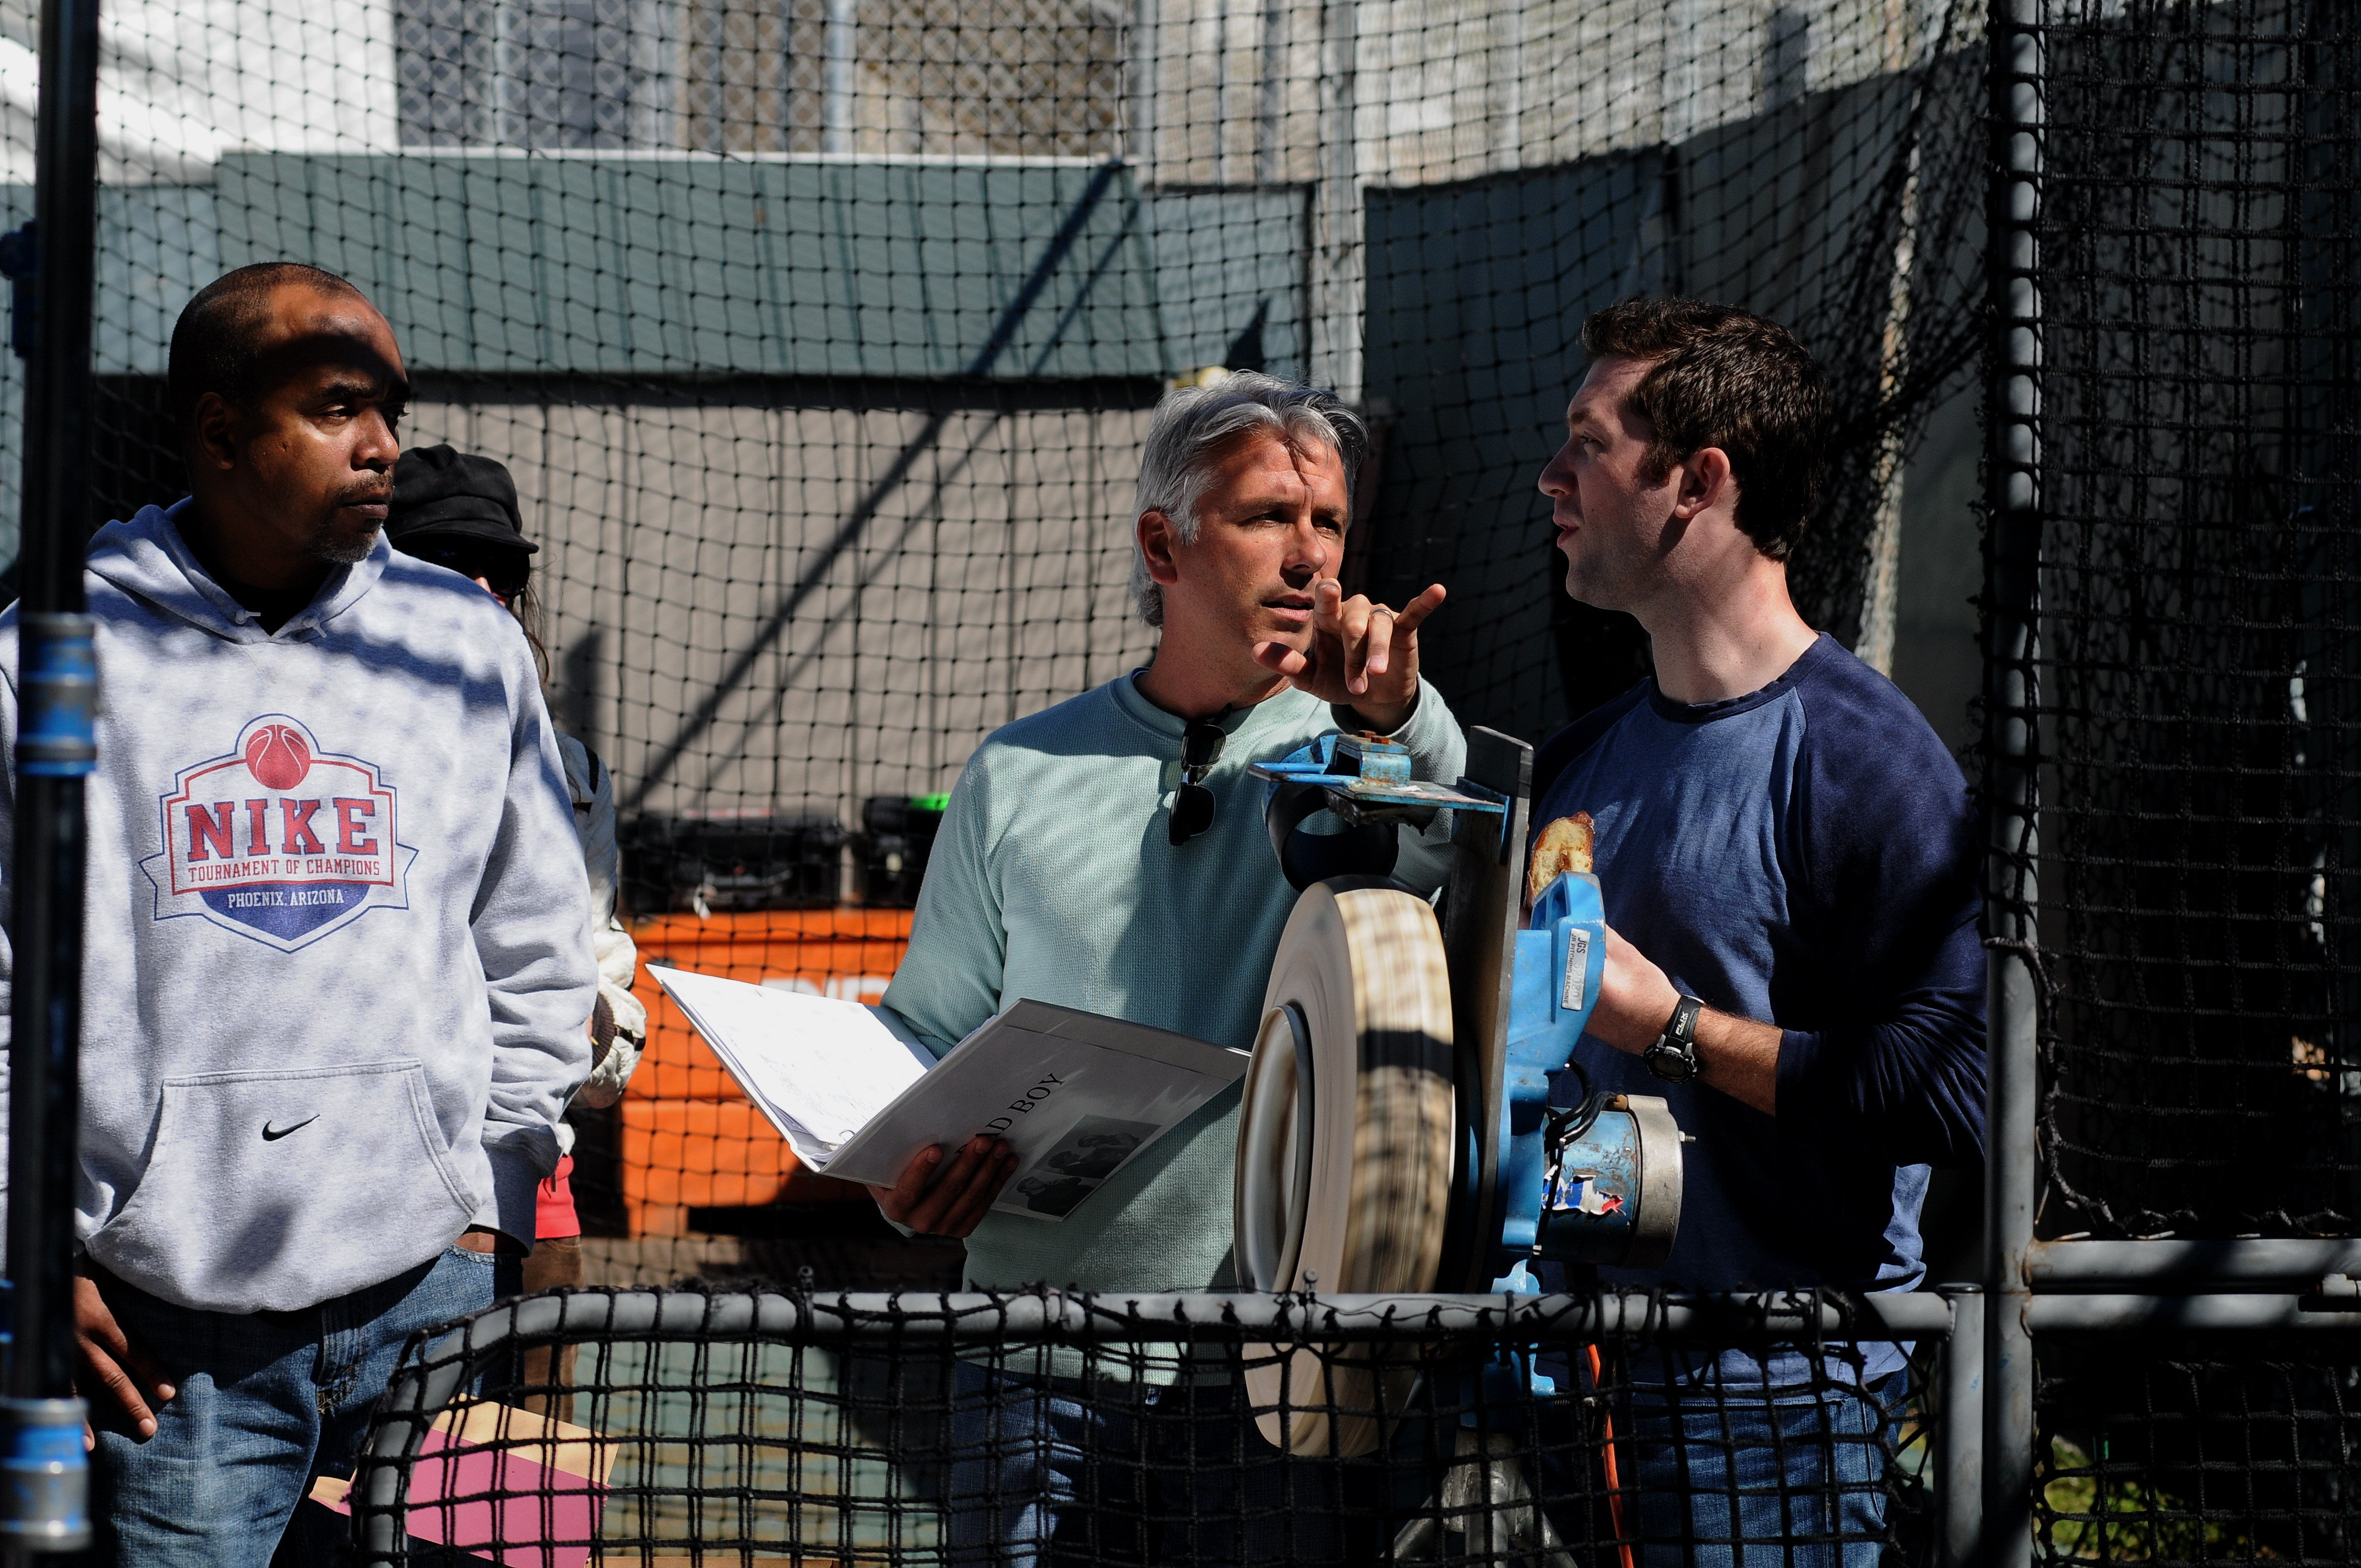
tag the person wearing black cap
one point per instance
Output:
(459, 511)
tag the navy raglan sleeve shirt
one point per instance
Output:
(1805, 856)
(1892, 971)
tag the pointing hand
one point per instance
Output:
(1364, 655)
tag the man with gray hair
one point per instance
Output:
(1109, 853)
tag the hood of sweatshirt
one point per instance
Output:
(146, 556)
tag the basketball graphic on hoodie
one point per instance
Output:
(277, 756)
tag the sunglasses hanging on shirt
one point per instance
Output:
(1193, 804)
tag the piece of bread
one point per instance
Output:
(1564, 846)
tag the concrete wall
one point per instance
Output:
(1936, 659)
(987, 585)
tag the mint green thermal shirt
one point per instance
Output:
(1054, 877)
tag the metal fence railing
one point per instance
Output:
(1607, 1428)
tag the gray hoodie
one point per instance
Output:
(338, 967)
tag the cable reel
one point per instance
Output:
(1395, 1132)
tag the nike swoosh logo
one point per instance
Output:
(271, 1135)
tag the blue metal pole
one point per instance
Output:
(43, 1477)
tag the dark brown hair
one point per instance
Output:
(1719, 377)
(213, 342)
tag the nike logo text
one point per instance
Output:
(271, 1135)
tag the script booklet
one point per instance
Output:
(1078, 1095)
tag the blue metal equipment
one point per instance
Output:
(1598, 1183)
(1363, 781)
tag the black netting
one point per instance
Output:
(1850, 213)
(2199, 1450)
(820, 338)
(915, 1430)
(2200, 314)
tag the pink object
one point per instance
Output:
(553, 1216)
(506, 1485)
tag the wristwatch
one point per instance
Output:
(1672, 1055)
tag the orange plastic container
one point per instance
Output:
(851, 953)
(690, 1139)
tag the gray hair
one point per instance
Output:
(1186, 439)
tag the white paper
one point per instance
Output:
(1078, 1096)
(1074, 1110)
(814, 1065)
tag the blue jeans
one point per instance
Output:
(1723, 1478)
(1053, 1471)
(266, 1401)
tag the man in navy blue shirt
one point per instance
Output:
(1788, 858)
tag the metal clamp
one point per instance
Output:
(59, 738)
(1366, 779)
(44, 1475)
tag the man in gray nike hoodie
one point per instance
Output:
(337, 969)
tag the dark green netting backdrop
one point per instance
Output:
(820, 337)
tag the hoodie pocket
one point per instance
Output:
(268, 1191)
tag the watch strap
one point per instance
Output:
(1672, 1055)
(1683, 1028)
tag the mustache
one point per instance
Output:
(366, 492)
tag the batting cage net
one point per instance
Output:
(2172, 1449)
(2200, 334)
(924, 1429)
(820, 336)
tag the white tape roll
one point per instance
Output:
(1344, 1138)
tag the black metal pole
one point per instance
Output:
(42, 1502)
(2012, 628)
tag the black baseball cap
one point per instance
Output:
(447, 494)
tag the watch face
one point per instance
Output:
(1672, 1063)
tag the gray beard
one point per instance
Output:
(337, 551)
